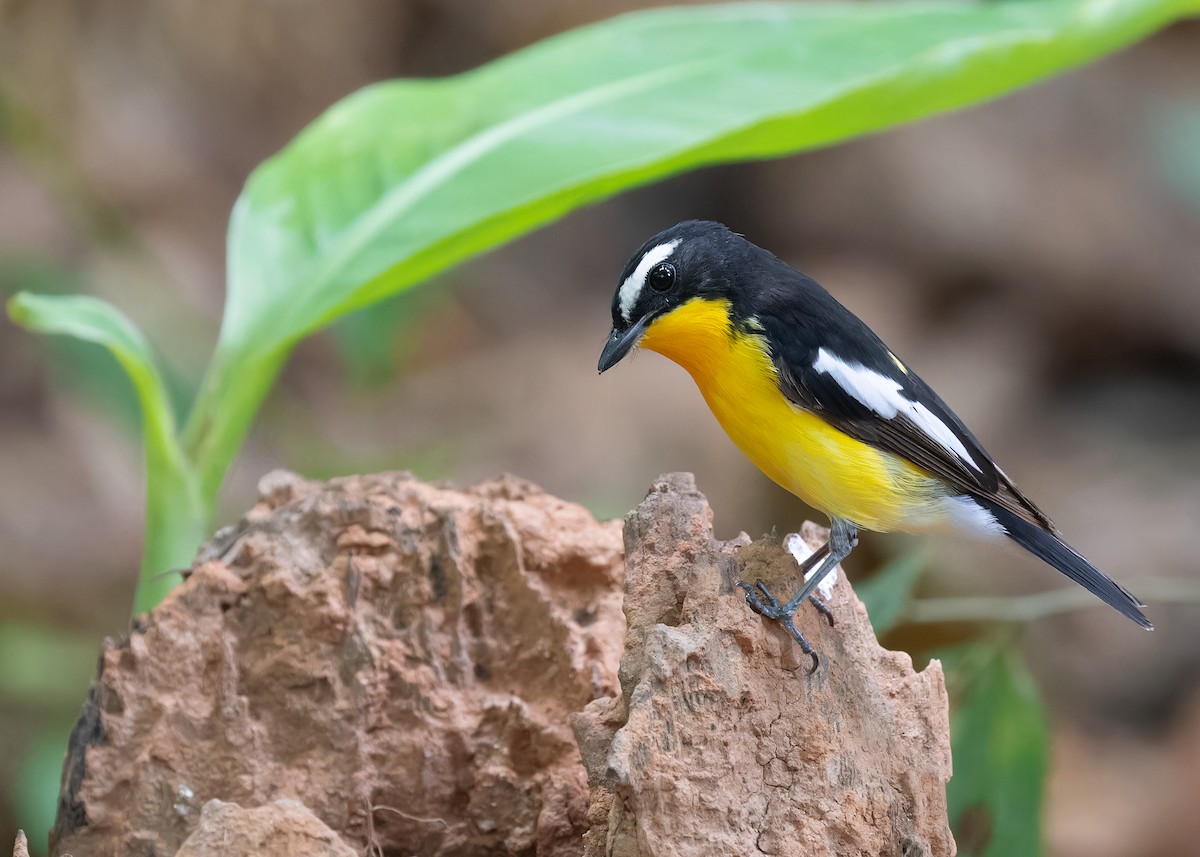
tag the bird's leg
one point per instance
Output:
(797, 548)
(843, 539)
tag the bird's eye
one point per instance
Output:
(662, 277)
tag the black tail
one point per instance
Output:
(1054, 551)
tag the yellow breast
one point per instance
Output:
(829, 470)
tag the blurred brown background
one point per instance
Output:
(1037, 260)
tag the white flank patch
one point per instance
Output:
(800, 551)
(883, 396)
(632, 287)
(967, 516)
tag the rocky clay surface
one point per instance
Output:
(399, 658)
(720, 743)
(376, 665)
(283, 828)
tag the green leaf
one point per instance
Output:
(94, 320)
(999, 742)
(81, 366)
(175, 518)
(404, 179)
(889, 590)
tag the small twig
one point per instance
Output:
(1027, 608)
(416, 818)
(373, 849)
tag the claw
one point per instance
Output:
(805, 646)
(751, 598)
(775, 608)
(822, 608)
(843, 537)
(765, 604)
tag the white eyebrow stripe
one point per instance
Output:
(883, 396)
(632, 287)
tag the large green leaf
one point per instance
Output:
(408, 177)
(175, 517)
(404, 179)
(999, 740)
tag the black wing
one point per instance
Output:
(840, 368)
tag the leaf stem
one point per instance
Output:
(226, 404)
(1027, 608)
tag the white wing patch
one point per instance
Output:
(632, 287)
(883, 396)
(967, 516)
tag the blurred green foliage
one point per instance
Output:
(888, 592)
(1000, 743)
(373, 342)
(38, 780)
(44, 666)
(404, 179)
(45, 673)
(1177, 147)
(998, 729)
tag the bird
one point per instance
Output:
(824, 408)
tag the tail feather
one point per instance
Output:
(1057, 553)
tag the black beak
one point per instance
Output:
(619, 344)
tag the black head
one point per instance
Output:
(696, 258)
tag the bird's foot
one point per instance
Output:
(763, 603)
(822, 608)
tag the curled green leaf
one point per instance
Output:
(175, 517)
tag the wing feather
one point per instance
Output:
(856, 384)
